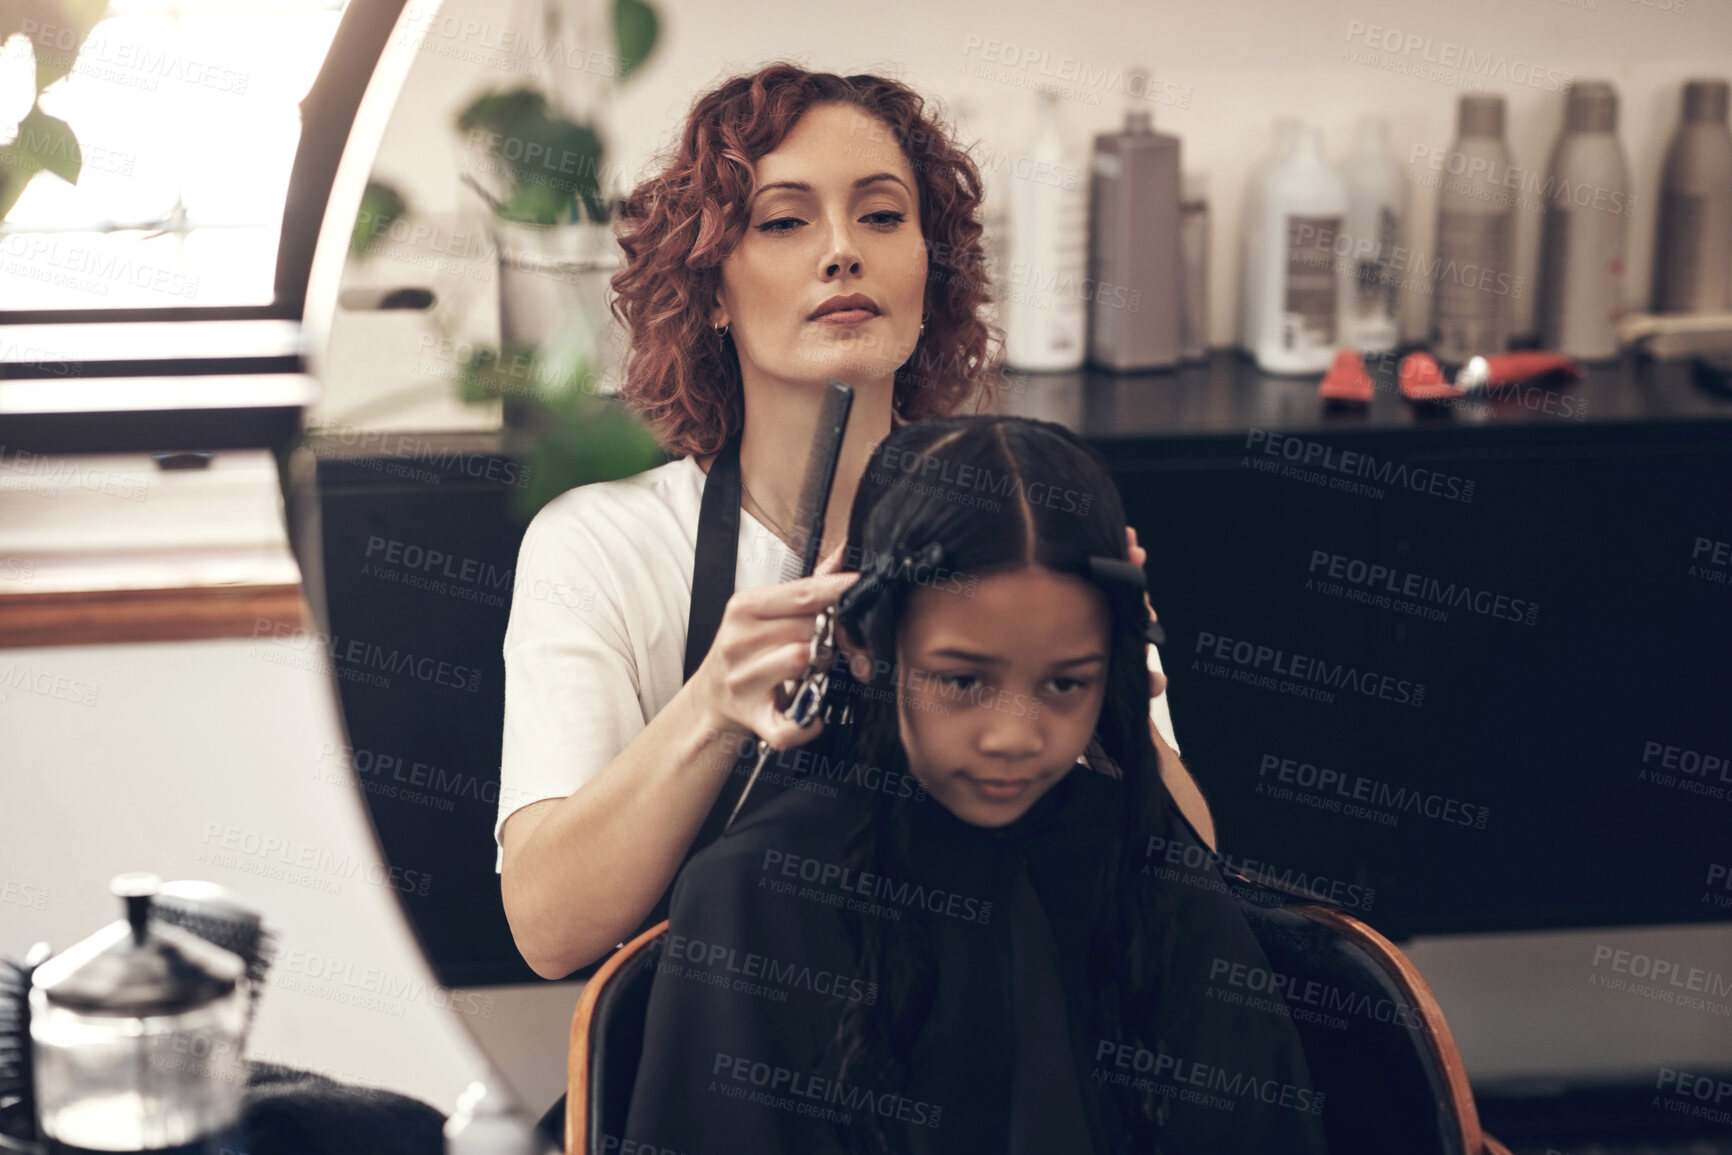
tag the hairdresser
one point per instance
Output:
(656, 653)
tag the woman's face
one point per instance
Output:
(836, 213)
(1002, 689)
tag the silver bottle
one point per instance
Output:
(1134, 259)
(1588, 206)
(1194, 249)
(1693, 254)
(1474, 279)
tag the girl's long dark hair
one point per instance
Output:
(1000, 494)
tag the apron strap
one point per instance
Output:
(717, 554)
(713, 573)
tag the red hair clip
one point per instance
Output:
(1422, 380)
(1347, 381)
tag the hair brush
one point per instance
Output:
(18, 1130)
(221, 917)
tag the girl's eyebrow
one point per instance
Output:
(992, 660)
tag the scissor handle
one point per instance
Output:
(809, 694)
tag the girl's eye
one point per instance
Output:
(895, 218)
(965, 682)
(770, 226)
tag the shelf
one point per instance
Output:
(105, 548)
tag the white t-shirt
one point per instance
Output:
(596, 643)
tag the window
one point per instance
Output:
(186, 112)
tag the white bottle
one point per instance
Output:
(1251, 252)
(1376, 219)
(994, 219)
(1045, 307)
(485, 1123)
(1304, 206)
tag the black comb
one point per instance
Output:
(808, 531)
(805, 694)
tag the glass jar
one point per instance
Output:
(137, 1036)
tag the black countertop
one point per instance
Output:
(1219, 407)
(1220, 402)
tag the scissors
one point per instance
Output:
(810, 697)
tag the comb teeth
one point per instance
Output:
(808, 529)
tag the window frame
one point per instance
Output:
(266, 417)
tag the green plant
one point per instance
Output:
(381, 207)
(553, 164)
(558, 427)
(548, 165)
(547, 170)
(57, 30)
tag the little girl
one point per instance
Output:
(975, 921)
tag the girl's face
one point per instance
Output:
(1001, 690)
(836, 213)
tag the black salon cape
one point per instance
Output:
(757, 969)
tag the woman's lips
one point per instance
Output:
(845, 317)
(999, 789)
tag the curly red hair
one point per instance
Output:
(677, 227)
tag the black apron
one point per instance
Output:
(713, 572)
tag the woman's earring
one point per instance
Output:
(923, 317)
(721, 330)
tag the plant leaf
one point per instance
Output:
(598, 439)
(381, 206)
(44, 142)
(635, 29)
(14, 176)
(50, 24)
(49, 144)
(498, 110)
(537, 204)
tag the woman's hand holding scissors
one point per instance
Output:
(764, 640)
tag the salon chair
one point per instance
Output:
(1375, 1039)
(1392, 1076)
(607, 1042)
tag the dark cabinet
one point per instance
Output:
(1546, 723)
(1501, 606)
(419, 564)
